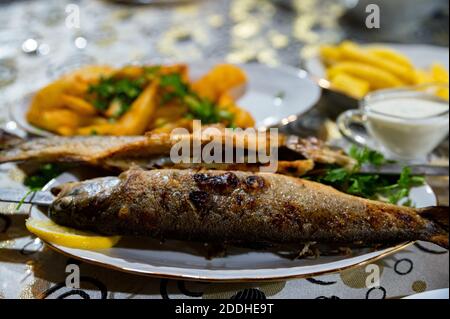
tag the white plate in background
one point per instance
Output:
(265, 86)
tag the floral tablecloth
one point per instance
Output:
(235, 31)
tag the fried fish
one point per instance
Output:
(238, 207)
(149, 151)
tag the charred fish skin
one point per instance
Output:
(232, 206)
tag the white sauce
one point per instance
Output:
(409, 108)
(408, 127)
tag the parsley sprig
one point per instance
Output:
(39, 179)
(199, 107)
(372, 186)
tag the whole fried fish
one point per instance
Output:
(153, 150)
(238, 207)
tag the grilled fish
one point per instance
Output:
(238, 207)
(121, 153)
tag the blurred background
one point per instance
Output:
(40, 39)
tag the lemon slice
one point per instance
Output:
(69, 237)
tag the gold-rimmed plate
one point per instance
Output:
(186, 260)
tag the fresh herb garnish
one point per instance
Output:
(39, 179)
(123, 91)
(372, 186)
(198, 107)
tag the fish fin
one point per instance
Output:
(8, 140)
(439, 215)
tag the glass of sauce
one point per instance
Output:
(405, 124)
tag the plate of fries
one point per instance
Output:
(357, 70)
(135, 99)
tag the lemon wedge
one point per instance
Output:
(69, 237)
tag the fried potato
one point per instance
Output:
(352, 52)
(391, 55)
(376, 77)
(350, 68)
(439, 73)
(59, 121)
(350, 85)
(89, 74)
(78, 105)
(68, 106)
(242, 118)
(134, 122)
(219, 80)
(330, 54)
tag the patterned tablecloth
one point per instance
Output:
(236, 31)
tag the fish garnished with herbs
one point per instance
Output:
(238, 207)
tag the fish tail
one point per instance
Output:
(439, 216)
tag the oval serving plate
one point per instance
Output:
(273, 95)
(185, 260)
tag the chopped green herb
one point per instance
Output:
(371, 186)
(366, 156)
(124, 91)
(199, 108)
(42, 176)
(22, 200)
(39, 179)
(152, 70)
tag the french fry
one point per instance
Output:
(136, 120)
(89, 74)
(65, 130)
(52, 120)
(376, 77)
(64, 106)
(439, 73)
(352, 52)
(99, 129)
(78, 105)
(330, 54)
(350, 85)
(242, 118)
(422, 77)
(219, 80)
(391, 55)
(443, 93)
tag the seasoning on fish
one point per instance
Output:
(238, 207)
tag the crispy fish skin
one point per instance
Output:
(85, 149)
(231, 206)
(117, 151)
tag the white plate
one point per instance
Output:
(177, 259)
(432, 294)
(422, 56)
(260, 97)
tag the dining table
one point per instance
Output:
(40, 40)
